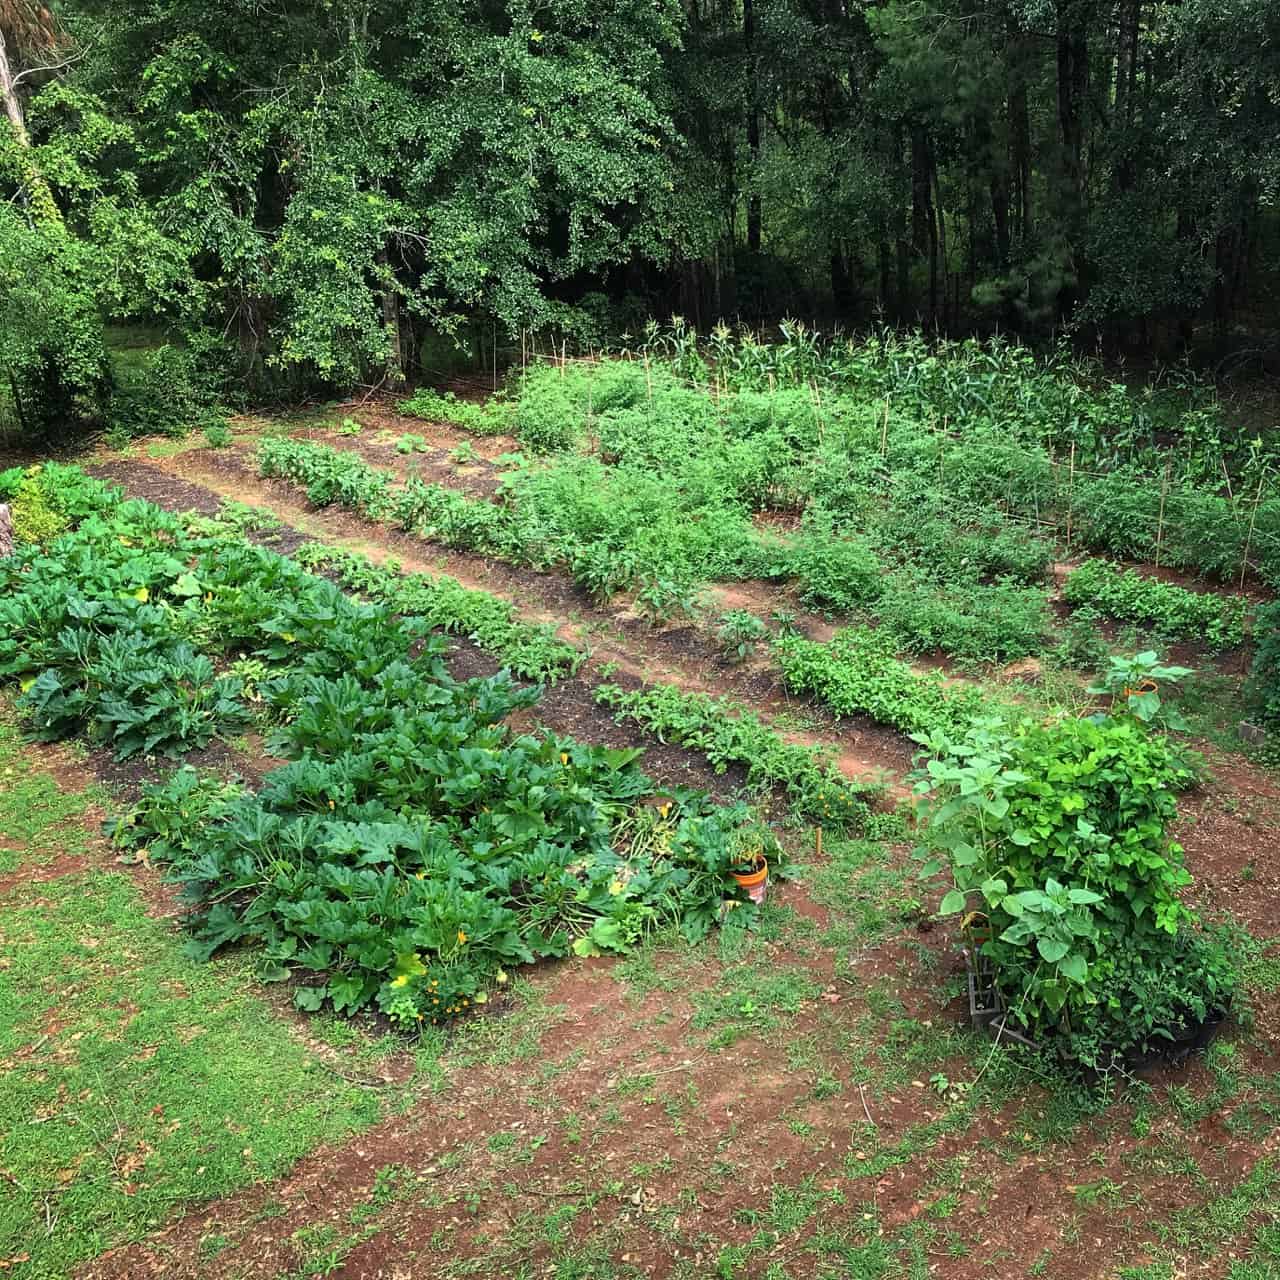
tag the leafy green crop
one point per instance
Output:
(1174, 611)
(530, 650)
(858, 674)
(415, 845)
(729, 734)
(415, 849)
(490, 419)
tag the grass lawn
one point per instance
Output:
(132, 1080)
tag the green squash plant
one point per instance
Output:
(1055, 840)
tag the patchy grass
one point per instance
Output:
(131, 1079)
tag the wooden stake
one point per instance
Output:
(818, 840)
(884, 431)
(1164, 493)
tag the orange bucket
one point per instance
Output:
(754, 881)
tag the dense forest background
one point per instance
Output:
(303, 196)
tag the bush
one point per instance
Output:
(1263, 688)
(53, 362)
(1055, 836)
(168, 393)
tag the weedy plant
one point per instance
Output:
(740, 633)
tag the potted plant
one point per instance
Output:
(751, 872)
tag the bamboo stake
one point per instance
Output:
(1253, 520)
(1071, 488)
(1164, 493)
(884, 431)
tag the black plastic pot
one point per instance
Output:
(1212, 1024)
(987, 1013)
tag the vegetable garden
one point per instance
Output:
(396, 772)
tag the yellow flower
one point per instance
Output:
(288, 637)
(462, 936)
(615, 887)
(501, 977)
(665, 808)
(401, 981)
(564, 757)
(142, 595)
(419, 875)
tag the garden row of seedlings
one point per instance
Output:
(415, 847)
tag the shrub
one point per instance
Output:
(1055, 837)
(53, 360)
(167, 393)
(1264, 677)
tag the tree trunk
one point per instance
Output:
(1020, 144)
(390, 301)
(35, 191)
(9, 94)
(924, 226)
(753, 126)
(841, 283)
(1073, 85)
